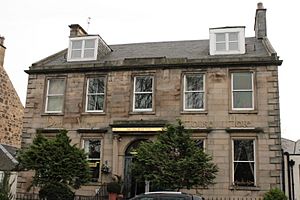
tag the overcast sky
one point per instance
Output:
(35, 29)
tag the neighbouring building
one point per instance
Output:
(11, 108)
(8, 163)
(112, 97)
(291, 168)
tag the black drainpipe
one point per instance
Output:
(292, 163)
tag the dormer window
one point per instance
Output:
(83, 48)
(228, 40)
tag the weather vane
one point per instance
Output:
(88, 23)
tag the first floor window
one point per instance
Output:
(242, 91)
(55, 95)
(95, 94)
(92, 147)
(193, 92)
(143, 93)
(244, 162)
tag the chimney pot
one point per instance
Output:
(2, 40)
(260, 5)
(2, 50)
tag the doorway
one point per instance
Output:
(132, 187)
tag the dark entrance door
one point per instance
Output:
(131, 186)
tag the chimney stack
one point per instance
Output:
(76, 30)
(260, 26)
(2, 50)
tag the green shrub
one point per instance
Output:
(275, 194)
(56, 191)
(114, 187)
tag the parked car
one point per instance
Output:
(164, 195)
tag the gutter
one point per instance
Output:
(128, 66)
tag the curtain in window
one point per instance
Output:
(244, 162)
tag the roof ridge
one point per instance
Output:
(11, 157)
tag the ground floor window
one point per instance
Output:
(200, 143)
(243, 162)
(92, 147)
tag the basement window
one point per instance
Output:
(83, 48)
(227, 40)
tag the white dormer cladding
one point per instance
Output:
(83, 48)
(227, 40)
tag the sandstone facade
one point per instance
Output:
(119, 126)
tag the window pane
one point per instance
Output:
(77, 44)
(233, 46)
(220, 37)
(194, 82)
(89, 43)
(233, 36)
(200, 143)
(220, 47)
(143, 101)
(242, 81)
(194, 100)
(56, 86)
(55, 103)
(143, 84)
(242, 100)
(94, 170)
(96, 85)
(88, 53)
(76, 54)
(95, 102)
(244, 174)
(243, 150)
(92, 148)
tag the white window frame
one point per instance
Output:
(201, 91)
(83, 39)
(242, 90)
(226, 31)
(54, 95)
(91, 94)
(134, 93)
(254, 161)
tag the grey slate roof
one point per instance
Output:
(7, 157)
(292, 147)
(186, 50)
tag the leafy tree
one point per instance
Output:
(173, 161)
(55, 161)
(275, 194)
(56, 191)
(5, 187)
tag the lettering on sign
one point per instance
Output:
(231, 122)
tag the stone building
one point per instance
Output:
(291, 168)
(112, 97)
(11, 108)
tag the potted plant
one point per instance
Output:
(114, 188)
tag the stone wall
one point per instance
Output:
(11, 109)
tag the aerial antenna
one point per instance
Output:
(88, 23)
